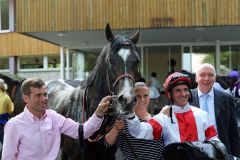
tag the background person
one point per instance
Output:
(234, 83)
(220, 107)
(36, 132)
(6, 108)
(154, 92)
(131, 147)
(140, 78)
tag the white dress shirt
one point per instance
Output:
(210, 105)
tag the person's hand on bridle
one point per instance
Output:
(103, 106)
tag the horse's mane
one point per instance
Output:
(99, 66)
(11, 77)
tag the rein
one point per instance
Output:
(111, 124)
(129, 145)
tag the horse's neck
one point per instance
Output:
(95, 92)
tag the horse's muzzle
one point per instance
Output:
(127, 105)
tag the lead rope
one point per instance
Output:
(129, 145)
(111, 124)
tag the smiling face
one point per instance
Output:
(142, 95)
(180, 95)
(205, 78)
(37, 100)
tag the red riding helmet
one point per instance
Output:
(175, 79)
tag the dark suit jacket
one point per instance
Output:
(225, 118)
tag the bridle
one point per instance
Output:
(112, 84)
(112, 90)
(115, 45)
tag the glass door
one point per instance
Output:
(194, 56)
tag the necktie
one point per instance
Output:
(205, 98)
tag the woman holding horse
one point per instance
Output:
(131, 147)
(6, 107)
(36, 132)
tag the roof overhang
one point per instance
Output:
(84, 40)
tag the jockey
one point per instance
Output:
(185, 123)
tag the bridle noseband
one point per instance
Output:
(126, 75)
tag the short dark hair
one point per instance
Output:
(31, 82)
(154, 74)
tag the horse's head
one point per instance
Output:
(122, 69)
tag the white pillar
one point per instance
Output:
(230, 57)
(80, 66)
(13, 65)
(217, 56)
(141, 69)
(62, 62)
(67, 63)
(146, 53)
(45, 62)
(169, 59)
(11, 15)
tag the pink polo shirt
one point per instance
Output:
(30, 138)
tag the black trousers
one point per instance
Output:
(1, 137)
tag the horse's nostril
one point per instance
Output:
(120, 98)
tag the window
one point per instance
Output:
(229, 58)
(4, 63)
(54, 61)
(31, 62)
(235, 57)
(83, 64)
(199, 55)
(4, 15)
(186, 59)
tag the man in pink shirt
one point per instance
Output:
(35, 134)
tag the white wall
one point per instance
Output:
(44, 75)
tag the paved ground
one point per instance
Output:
(118, 155)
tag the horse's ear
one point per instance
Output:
(109, 34)
(135, 36)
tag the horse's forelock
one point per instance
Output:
(120, 42)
